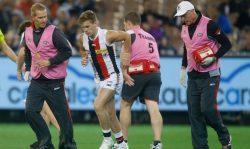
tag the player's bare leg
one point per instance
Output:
(156, 120)
(100, 108)
(50, 116)
(115, 124)
(45, 117)
(125, 117)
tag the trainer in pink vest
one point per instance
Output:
(144, 46)
(199, 40)
(44, 50)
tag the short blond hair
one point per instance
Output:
(87, 15)
(35, 7)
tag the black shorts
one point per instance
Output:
(147, 86)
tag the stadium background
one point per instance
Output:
(157, 15)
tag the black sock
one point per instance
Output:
(108, 134)
(156, 142)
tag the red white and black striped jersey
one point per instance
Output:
(101, 55)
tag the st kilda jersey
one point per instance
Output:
(101, 55)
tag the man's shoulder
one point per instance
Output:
(57, 31)
(212, 26)
(130, 31)
(212, 23)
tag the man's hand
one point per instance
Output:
(183, 77)
(208, 61)
(127, 78)
(84, 61)
(19, 75)
(20, 72)
(43, 63)
(40, 62)
(84, 55)
(26, 76)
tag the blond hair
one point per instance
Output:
(37, 7)
(87, 15)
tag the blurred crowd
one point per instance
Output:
(233, 16)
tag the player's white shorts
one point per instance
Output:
(114, 82)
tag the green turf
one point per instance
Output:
(19, 136)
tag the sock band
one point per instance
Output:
(106, 133)
(119, 138)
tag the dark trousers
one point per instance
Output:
(54, 94)
(202, 110)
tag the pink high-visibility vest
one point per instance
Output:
(199, 39)
(44, 50)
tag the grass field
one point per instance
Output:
(19, 136)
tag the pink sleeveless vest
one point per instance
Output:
(144, 47)
(199, 40)
(44, 50)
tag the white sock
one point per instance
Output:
(119, 138)
(118, 135)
